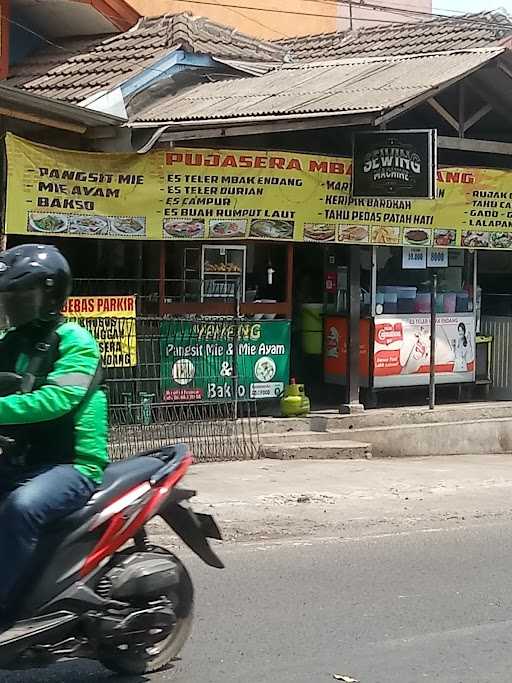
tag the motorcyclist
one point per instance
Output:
(53, 409)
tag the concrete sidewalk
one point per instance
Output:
(452, 429)
(266, 499)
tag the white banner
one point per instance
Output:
(402, 349)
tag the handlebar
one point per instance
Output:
(6, 441)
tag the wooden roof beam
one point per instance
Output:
(471, 145)
(475, 118)
(444, 113)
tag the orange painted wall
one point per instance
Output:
(261, 23)
(356, 15)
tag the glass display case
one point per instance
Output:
(395, 324)
(223, 272)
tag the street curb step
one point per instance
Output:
(457, 437)
(328, 421)
(304, 437)
(462, 437)
(318, 450)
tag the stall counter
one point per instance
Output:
(395, 349)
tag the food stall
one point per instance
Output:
(213, 278)
(217, 292)
(395, 315)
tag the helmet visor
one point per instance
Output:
(20, 308)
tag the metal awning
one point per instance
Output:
(17, 104)
(351, 91)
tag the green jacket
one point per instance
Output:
(47, 419)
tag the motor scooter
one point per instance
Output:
(102, 590)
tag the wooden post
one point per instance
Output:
(161, 293)
(355, 317)
(5, 26)
(289, 280)
(354, 342)
(462, 110)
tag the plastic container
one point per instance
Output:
(390, 297)
(406, 305)
(312, 329)
(450, 302)
(407, 292)
(391, 302)
(423, 302)
(390, 307)
(439, 303)
(462, 303)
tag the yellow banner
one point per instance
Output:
(81, 194)
(222, 194)
(111, 320)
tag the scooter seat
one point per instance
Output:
(119, 478)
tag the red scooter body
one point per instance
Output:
(104, 592)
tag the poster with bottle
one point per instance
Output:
(336, 350)
(402, 350)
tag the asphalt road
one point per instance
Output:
(401, 607)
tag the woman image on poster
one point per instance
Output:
(461, 349)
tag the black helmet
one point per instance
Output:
(35, 281)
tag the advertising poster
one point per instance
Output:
(402, 350)
(111, 320)
(335, 350)
(198, 360)
(243, 195)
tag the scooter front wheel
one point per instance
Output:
(160, 655)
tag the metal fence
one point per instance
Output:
(212, 430)
(156, 401)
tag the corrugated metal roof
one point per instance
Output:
(249, 67)
(350, 85)
(482, 29)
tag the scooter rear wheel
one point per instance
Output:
(160, 656)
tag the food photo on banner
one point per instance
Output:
(59, 192)
(205, 194)
(111, 320)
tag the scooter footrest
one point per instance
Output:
(32, 627)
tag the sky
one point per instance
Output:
(470, 5)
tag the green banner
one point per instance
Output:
(222, 360)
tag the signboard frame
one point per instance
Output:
(410, 172)
(401, 351)
(224, 361)
(112, 320)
